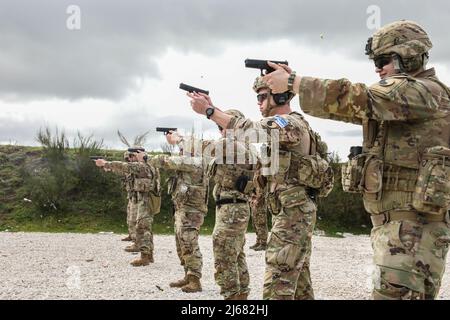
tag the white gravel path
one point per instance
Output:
(94, 266)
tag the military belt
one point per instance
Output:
(383, 218)
(228, 201)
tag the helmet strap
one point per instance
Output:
(398, 64)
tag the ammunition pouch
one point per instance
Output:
(352, 173)
(155, 202)
(313, 172)
(273, 204)
(432, 192)
(231, 177)
(287, 199)
(143, 185)
(372, 178)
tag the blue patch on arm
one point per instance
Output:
(280, 121)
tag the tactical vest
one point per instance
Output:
(189, 189)
(233, 180)
(397, 155)
(141, 179)
(312, 171)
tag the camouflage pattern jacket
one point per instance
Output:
(188, 187)
(401, 116)
(231, 165)
(294, 143)
(138, 176)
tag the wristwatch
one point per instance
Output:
(209, 112)
(291, 80)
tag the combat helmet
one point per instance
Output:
(403, 39)
(137, 146)
(259, 84)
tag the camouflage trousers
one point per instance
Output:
(187, 227)
(287, 275)
(231, 273)
(259, 222)
(409, 259)
(132, 210)
(143, 222)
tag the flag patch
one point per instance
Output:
(280, 121)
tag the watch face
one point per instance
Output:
(209, 111)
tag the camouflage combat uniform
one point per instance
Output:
(189, 194)
(142, 183)
(287, 274)
(233, 185)
(401, 117)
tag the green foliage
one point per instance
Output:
(69, 193)
(341, 210)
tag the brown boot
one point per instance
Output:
(128, 238)
(179, 283)
(144, 260)
(242, 296)
(193, 284)
(132, 248)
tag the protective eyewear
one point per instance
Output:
(261, 97)
(381, 61)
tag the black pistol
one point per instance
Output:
(262, 65)
(191, 89)
(165, 130)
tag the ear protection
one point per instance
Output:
(282, 98)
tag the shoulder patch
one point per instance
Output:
(282, 122)
(386, 86)
(386, 82)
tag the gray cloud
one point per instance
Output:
(24, 132)
(119, 40)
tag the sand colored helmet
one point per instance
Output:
(259, 84)
(404, 38)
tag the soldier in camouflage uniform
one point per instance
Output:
(290, 200)
(188, 188)
(403, 171)
(142, 182)
(232, 187)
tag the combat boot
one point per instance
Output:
(238, 296)
(193, 284)
(132, 248)
(242, 296)
(144, 260)
(128, 238)
(180, 283)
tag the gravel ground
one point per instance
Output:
(94, 266)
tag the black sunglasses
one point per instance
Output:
(381, 61)
(261, 97)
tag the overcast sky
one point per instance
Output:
(122, 68)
